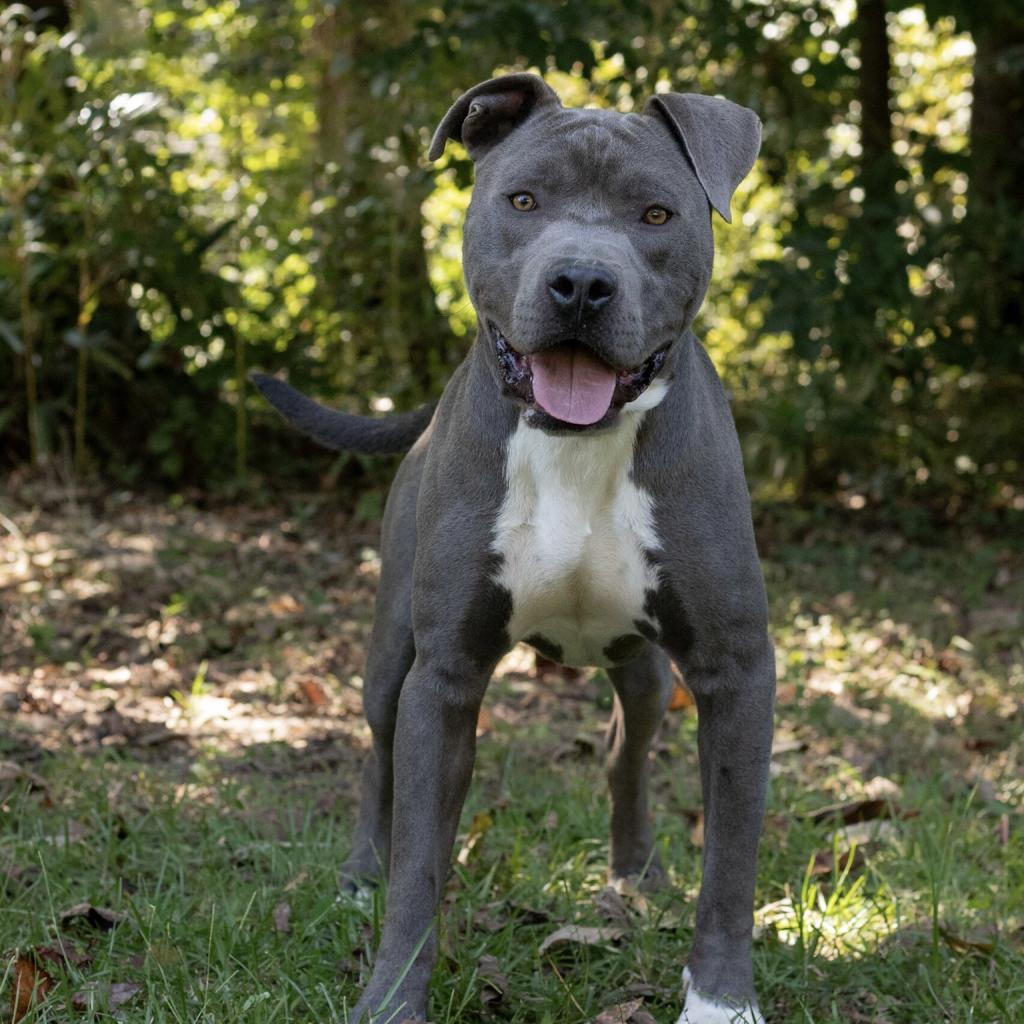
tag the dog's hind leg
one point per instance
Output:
(390, 658)
(642, 690)
(388, 662)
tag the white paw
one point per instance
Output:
(700, 1009)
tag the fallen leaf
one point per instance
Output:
(645, 990)
(978, 940)
(853, 812)
(863, 832)
(680, 700)
(484, 722)
(97, 995)
(528, 915)
(313, 692)
(31, 986)
(825, 861)
(300, 879)
(489, 918)
(623, 1013)
(63, 953)
(581, 747)
(283, 917)
(880, 786)
(13, 774)
(480, 825)
(18, 876)
(284, 606)
(641, 1016)
(613, 908)
(101, 918)
(493, 983)
(579, 935)
(697, 830)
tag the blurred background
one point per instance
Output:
(190, 190)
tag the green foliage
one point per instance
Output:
(190, 190)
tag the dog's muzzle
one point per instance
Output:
(569, 384)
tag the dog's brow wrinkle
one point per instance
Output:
(594, 145)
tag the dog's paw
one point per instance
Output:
(648, 875)
(702, 1009)
(362, 872)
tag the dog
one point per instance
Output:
(579, 487)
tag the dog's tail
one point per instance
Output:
(342, 431)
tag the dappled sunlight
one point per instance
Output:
(842, 919)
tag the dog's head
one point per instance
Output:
(587, 245)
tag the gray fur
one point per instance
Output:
(340, 431)
(442, 620)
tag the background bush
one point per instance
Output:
(188, 190)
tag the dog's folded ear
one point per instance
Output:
(720, 138)
(489, 111)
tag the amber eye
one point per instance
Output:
(656, 215)
(523, 201)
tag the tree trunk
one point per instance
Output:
(994, 264)
(879, 169)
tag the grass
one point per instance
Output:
(171, 759)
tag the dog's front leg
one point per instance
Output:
(734, 735)
(435, 746)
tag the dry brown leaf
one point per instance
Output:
(101, 918)
(697, 830)
(581, 747)
(13, 774)
(493, 983)
(490, 918)
(283, 917)
(681, 698)
(484, 722)
(96, 995)
(313, 692)
(825, 861)
(300, 879)
(480, 825)
(525, 915)
(623, 1013)
(978, 940)
(580, 935)
(284, 606)
(853, 812)
(31, 985)
(63, 953)
(613, 908)
(641, 1016)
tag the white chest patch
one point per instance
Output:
(573, 532)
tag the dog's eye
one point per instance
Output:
(523, 201)
(656, 215)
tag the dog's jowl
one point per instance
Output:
(579, 487)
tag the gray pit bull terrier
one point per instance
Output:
(579, 487)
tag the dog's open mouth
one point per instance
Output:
(571, 384)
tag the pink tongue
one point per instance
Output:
(572, 385)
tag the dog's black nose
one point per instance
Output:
(584, 287)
